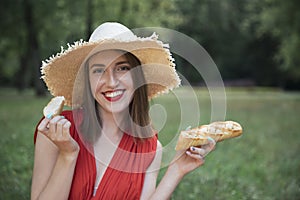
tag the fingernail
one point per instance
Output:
(193, 148)
(211, 139)
(49, 116)
(63, 117)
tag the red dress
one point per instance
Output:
(123, 178)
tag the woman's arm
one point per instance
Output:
(183, 163)
(55, 159)
(151, 174)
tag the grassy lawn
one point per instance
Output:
(262, 164)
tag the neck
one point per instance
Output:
(112, 124)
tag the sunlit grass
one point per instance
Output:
(262, 164)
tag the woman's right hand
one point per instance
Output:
(57, 130)
(55, 158)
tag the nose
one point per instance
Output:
(110, 79)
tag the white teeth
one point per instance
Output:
(113, 94)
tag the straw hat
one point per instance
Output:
(59, 72)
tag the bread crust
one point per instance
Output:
(219, 131)
(222, 130)
(54, 107)
(190, 138)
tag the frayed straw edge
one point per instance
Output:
(62, 52)
(77, 44)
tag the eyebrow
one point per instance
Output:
(97, 65)
(102, 65)
(122, 62)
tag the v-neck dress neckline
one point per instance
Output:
(123, 178)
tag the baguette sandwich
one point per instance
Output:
(218, 131)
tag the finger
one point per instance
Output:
(195, 156)
(53, 124)
(43, 125)
(197, 150)
(209, 146)
(59, 127)
(66, 128)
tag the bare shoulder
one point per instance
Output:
(159, 145)
(158, 154)
(159, 150)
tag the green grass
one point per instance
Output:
(18, 115)
(262, 164)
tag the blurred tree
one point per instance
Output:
(248, 39)
(280, 19)
(137, 14)
(89, 18)
(30, 59)
(12, 42)
(220, 28)
(39, 27)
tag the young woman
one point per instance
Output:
(105, 147)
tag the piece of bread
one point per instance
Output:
(221, 130)
(54, 107)
(218, 131)
(190, 138)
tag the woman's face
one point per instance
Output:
(111, 81)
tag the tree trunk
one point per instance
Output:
(89, 18)
(32, 59)
(21, 78)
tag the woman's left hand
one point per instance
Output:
(187, 161)
(183, 163)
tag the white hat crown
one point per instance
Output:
(112, 30)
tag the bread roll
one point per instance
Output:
(218, 131)
(54, 107)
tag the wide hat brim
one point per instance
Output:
(59, 72)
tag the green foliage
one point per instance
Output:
(262, 164)
(137, 14)
(11, 44)
(280, 20)
(256, 40)
(248, 39)
(59, 22)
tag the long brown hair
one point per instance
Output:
(137, 125)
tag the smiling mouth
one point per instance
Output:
(113, 95)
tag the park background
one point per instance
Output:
(254, 43)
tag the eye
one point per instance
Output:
(123, 68)
(98, 70)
